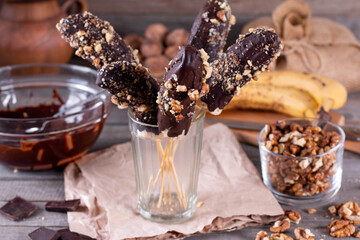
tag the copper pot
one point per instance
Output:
(28, 33)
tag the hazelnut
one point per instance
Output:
(134, 40)
(177, 37)
(156, 32)
(156, 64)
(149, 49)
(171, 51)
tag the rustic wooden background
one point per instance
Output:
(134, 15)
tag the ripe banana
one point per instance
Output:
(288, 100)
(334, 93)
(292, 79)
(326, 91)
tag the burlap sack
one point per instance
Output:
(314, 45)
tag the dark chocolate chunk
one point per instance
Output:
(17, 209)
(95, 39)
(132, 86)
(66, 234)
(211, 27)
(43, 233)
(62, 206)
(184, 83)
(244, 60)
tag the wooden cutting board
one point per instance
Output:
(250, 137)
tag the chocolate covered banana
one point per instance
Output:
(211, 27)
(132, 86)
(184, 83)
(95, 39)
(250, 55)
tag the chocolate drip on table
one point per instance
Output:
(211, 27)
(183, 82)
(247, 58)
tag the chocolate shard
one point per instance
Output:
(17, 209)
(62, 206)
(43, 233)
(66, 234)
(95, 39)
(132, 86)
(211, 27)
(244, 60)
(184, 83)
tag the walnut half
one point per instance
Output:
(350, 211)
(280, 236)
(281, 226)
(341, 228)
(262, 235)
(294, 216)
(303, 234)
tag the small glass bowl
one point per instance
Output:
(60, 112)
(309, 180)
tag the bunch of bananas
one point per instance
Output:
(293, 93)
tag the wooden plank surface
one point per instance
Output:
(40, 187)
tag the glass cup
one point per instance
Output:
(308, 180)
(166, 170)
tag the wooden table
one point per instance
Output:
(40, 187)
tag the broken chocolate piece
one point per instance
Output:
(184, 83)
(17, 209)
(211, 27)
(62, 206)
(132, 86)
(66, 234)
(43, 233)
(246, 59)
(95, 39)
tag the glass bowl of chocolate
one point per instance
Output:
(301, 160)
(50, 114)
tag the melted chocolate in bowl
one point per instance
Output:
(45, 123)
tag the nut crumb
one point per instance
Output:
(311, 210)
(199, 204)
(332, 210)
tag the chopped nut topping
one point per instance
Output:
(281, 226)
(341, 228)
(181, 88)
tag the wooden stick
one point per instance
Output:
(149, 184)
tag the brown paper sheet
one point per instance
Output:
(230, 188)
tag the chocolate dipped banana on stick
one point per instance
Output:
(132, 86)
(211, 27)
(119, 70)
(95, 39)
(184, 83)
(250, 55)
